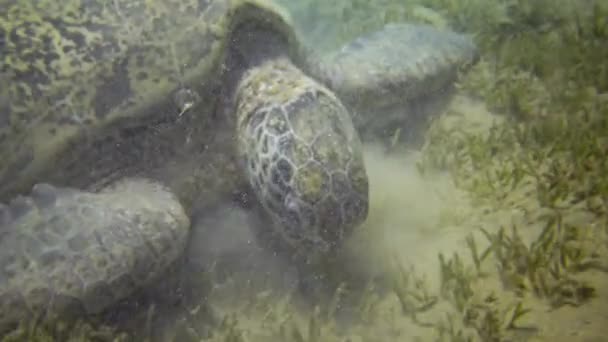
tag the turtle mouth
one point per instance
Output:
(312, 229)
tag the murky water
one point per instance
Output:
(491, 226)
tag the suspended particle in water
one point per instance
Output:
(185, 98)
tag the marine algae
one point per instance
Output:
(543, 69)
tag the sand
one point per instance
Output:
(414, 217)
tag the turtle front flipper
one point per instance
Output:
(66, 252)
(396, 77)
(302, 156)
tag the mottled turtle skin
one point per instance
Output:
(395, 79)
(119, 117)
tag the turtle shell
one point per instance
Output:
(83, 74)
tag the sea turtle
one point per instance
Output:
(117, 117)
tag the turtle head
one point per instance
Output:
(298, 145)
(302, 156)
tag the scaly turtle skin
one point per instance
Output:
(118, 116)
(396, 78)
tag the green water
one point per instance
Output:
(494, 230)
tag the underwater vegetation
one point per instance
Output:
(544, 71)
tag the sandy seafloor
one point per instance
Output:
(413, 217)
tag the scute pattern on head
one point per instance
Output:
(302, 155)
(79, 67)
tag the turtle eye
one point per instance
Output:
(290, 203)
(291, 216)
